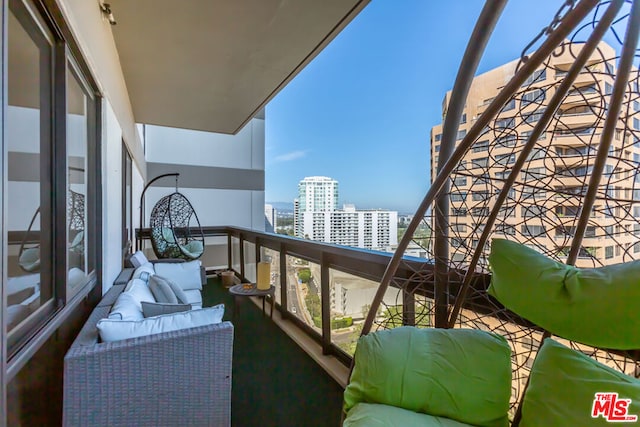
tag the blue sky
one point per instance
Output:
(362, 110)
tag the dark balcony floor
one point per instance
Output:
(275, 383)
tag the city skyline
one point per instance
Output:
(381, 80)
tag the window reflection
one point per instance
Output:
(29, 283)
(77, 141)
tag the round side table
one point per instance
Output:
(240, 291)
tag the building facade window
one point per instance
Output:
(509, 106)
(535, 77)
(532, 96)
(480, 146)
(608, 252)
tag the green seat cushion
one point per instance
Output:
(374, 415)
(167, 235)
(193, 249)
(595, 306)
(461, 374)
(30, 259)
(562, 387)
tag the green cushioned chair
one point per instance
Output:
(563, 386)
(595, 306)
(431, 377)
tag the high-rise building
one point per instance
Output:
(315, 194)
(542, 207)
(368, 229)
(316, 217)
(270, 218)
(318, 193)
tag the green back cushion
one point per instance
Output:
(460, 374)
(595, 306)
(562, 388)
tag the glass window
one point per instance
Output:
(608, 88)
(608, 252)
(30, 285)
(458, 197)
(481, 146)
(479, 196)
(480, 163)
(459, 212)
(127, 200)
(49, 178)
(506, 140)
(532, 230)
(460, 181)
(505, 229)
(536, 76)
(536, 95)
(509, 105)
(505, 159)
(505, 123)
(77, 165)
(532, 117)
(532, 211)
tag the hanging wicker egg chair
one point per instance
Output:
(172, 222)
(547, 173)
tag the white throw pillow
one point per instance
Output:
(148, 267)
(115, 330)
(185, 274)
(140, 291)
(138, 259)
(126, 308)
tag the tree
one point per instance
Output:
(313, 304)
(304, 275)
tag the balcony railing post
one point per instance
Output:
(241, 239)
(229, 252)
(258, 257)
(284, 306)
(325, 305)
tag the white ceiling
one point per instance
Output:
(213, 64)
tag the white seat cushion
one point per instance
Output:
(194, 297)
(185, 274)
(115, 330)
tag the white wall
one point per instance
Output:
(112, 196)
(214, 203)
(245, 150)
